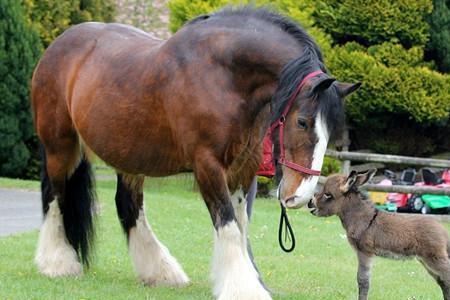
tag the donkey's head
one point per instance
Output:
(315, 117)
(330, 201)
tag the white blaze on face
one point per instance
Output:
(305, 190)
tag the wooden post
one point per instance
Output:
(345, 165)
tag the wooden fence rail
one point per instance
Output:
(385, 158)
(406, 189)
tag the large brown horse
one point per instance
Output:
(199, 102)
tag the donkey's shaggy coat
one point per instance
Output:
(372, 232)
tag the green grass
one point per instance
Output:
(19, 184)
(323, 266)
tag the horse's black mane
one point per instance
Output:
(310, 60)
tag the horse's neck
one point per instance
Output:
(256, 65)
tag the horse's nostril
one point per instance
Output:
(310, 204)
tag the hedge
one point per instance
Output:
(438, 48)
(375, 21)
(422, 94)
(19, 49)
(51, 17)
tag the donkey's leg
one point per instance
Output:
(233, 274)
(364, 265)
(152, 261)
(439, 269)
(67, 197)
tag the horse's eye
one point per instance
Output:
(301, 123)
(328, 196)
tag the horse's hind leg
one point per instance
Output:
(67, 198)
(152, 261)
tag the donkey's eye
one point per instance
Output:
(328, 196)
(302, 124)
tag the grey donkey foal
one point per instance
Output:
(372, 232)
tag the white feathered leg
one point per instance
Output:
(233, 274)
(54, 255)
(152, 261)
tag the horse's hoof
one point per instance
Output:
(60, 268)
(58, 261)
(245, 294)
(168, 273)
(173, 279)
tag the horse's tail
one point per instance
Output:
(76, 205)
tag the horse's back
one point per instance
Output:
(101, 78)
(143, 105)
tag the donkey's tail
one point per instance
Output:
(76, 205)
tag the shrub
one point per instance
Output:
(330, 166)
(19, 50)
(372, 22)
(394, 55)
(438, 47)
(51, 17)
(423, 95)
(93, 10)
(182, 11)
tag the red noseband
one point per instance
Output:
(280, 124)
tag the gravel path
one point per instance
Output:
(20, 211)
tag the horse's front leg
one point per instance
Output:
(233, 274)
(242, 210)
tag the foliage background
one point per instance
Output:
(26, 28)
(400, 50)
(19, 49)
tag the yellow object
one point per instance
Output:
(378, 197)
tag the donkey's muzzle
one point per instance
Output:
(312, 207)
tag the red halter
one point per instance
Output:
(280, 123)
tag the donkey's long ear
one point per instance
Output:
(348, 184)
(363, 178)
(346, 89)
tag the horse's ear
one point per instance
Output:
(346, 89)
(321, 84)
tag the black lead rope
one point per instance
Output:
(288, 232)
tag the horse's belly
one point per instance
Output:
(132, 158)
(131, 142)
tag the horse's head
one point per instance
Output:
(315, 117)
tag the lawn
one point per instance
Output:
(323, 266)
